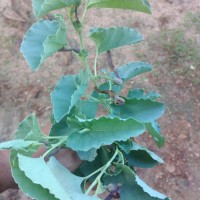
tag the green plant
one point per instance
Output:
(106, 144)
(192, 20)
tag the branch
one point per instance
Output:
(110, 63)
(66, 49)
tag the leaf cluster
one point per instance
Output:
(106, 143)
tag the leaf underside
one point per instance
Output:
(67, 93)
(42, 40)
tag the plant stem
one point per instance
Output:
(55, 146)
(84, 12)
(95, 63)
(104, 168)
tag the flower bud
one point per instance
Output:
(117, 81)
(118, 100)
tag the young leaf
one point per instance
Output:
(110, 38)
(67, 93)
(130, 70)
(42, 40)
(42, 7)
(41, 175)
(154, 129)
(68, 181)
(31, 189)
(139, 109)
(86, 108)
(102, 131)
(137, 5)
(29, 129)
(18, 144)
(125, 146)
(139, 94)
(132, 187)
(89, 155)
(140, 156)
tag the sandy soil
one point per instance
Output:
(23, 92)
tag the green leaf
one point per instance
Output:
(137, 5)
(31, 189)
(41, 175)
(61, 128)
(144, 110)
(130, 70)
(86, 108)
(29, 129)
(42, 7)
(125, 146)
(68, 181)
(18, 144)
(154, 129)
(89, 155)
(139, 94)
(42, 40)
(114, 37)
(67, 93)
(102, 131)
(140, 156)
(100, 160)
(132, 187)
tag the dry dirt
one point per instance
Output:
(23, 92)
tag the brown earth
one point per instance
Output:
(176, 77)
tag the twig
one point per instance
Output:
(110, 63)
(66, 49)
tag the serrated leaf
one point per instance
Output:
(137, 5)
(154, 129)
(29, 129)
(114, 37)
(102, 131)
(42, 40)
(69, 182)
(132, 69)
(32, 190)
(84, 108)
(18, 144)
(139, 94)
(89, 155)
(140, 156)
(67, 93)
(41, 175)
(132, 187)
(144, 110)
(42, 7)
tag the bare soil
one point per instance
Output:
(176, 78)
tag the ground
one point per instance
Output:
(172, 45)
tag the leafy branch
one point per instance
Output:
(105, 144)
